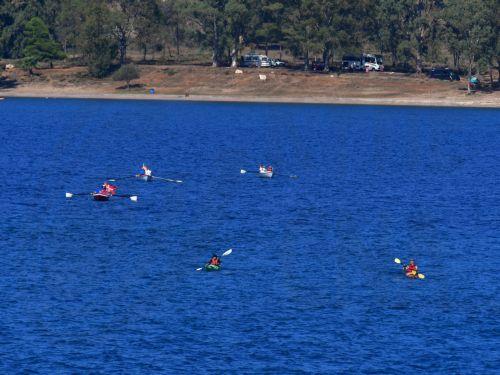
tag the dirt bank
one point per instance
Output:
(222, 84)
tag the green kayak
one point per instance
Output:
(211, 267)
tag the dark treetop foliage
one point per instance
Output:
(413, 34)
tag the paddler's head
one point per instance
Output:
(412, 261)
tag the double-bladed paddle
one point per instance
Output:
(419, 275)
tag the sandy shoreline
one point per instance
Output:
(205, 84)
(417, 101)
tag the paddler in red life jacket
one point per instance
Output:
(147, 172)
(214, 261)
(269, 169)
(411, 269)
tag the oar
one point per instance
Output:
(243, 171)
(168, 179)
(419, 275)
(226, 253)
(131, 197)
(119, 178)
(286, 175)
(71, 195)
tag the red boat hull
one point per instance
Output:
(101, 197)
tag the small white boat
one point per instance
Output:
(266, 174)
(145, 177)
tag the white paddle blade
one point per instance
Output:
(227, 252)
(178, 181)
(421, 276)
(199, 269)
(397, 260)
(243, 171)
(69, 195)
(133, 198)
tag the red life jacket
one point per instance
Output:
(411, 268)
(215, 261)
(111, 189)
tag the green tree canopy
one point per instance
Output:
(38, 44)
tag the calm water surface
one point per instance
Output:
(311, 287)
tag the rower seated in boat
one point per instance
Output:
(108, 189)
(269, 169)
(411, 269)
(262, 169)
(147, 172)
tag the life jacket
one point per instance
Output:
(269, 169)
(111, 189)
(411, 269)
(215, 261)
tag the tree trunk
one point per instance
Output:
(456, 60)
(215, 46)
(266, 48)
(394, 56)
(280, 51)
(418, 63)
(234, 57)
(469, 75)
(490, 70)
(326, 59)
(122, 45)
(177, 40)
(144, 52)
(306, 60)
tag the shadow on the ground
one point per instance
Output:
(6, 83)
(132, 87)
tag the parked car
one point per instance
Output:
(352, 63)
(444, 73)
(318, 65)
(277, 63)
(253, 60)
(372, 62)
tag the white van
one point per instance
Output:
(259, 61)
(373, 62)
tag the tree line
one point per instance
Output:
(413, 33)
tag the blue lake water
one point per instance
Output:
(311, 286)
